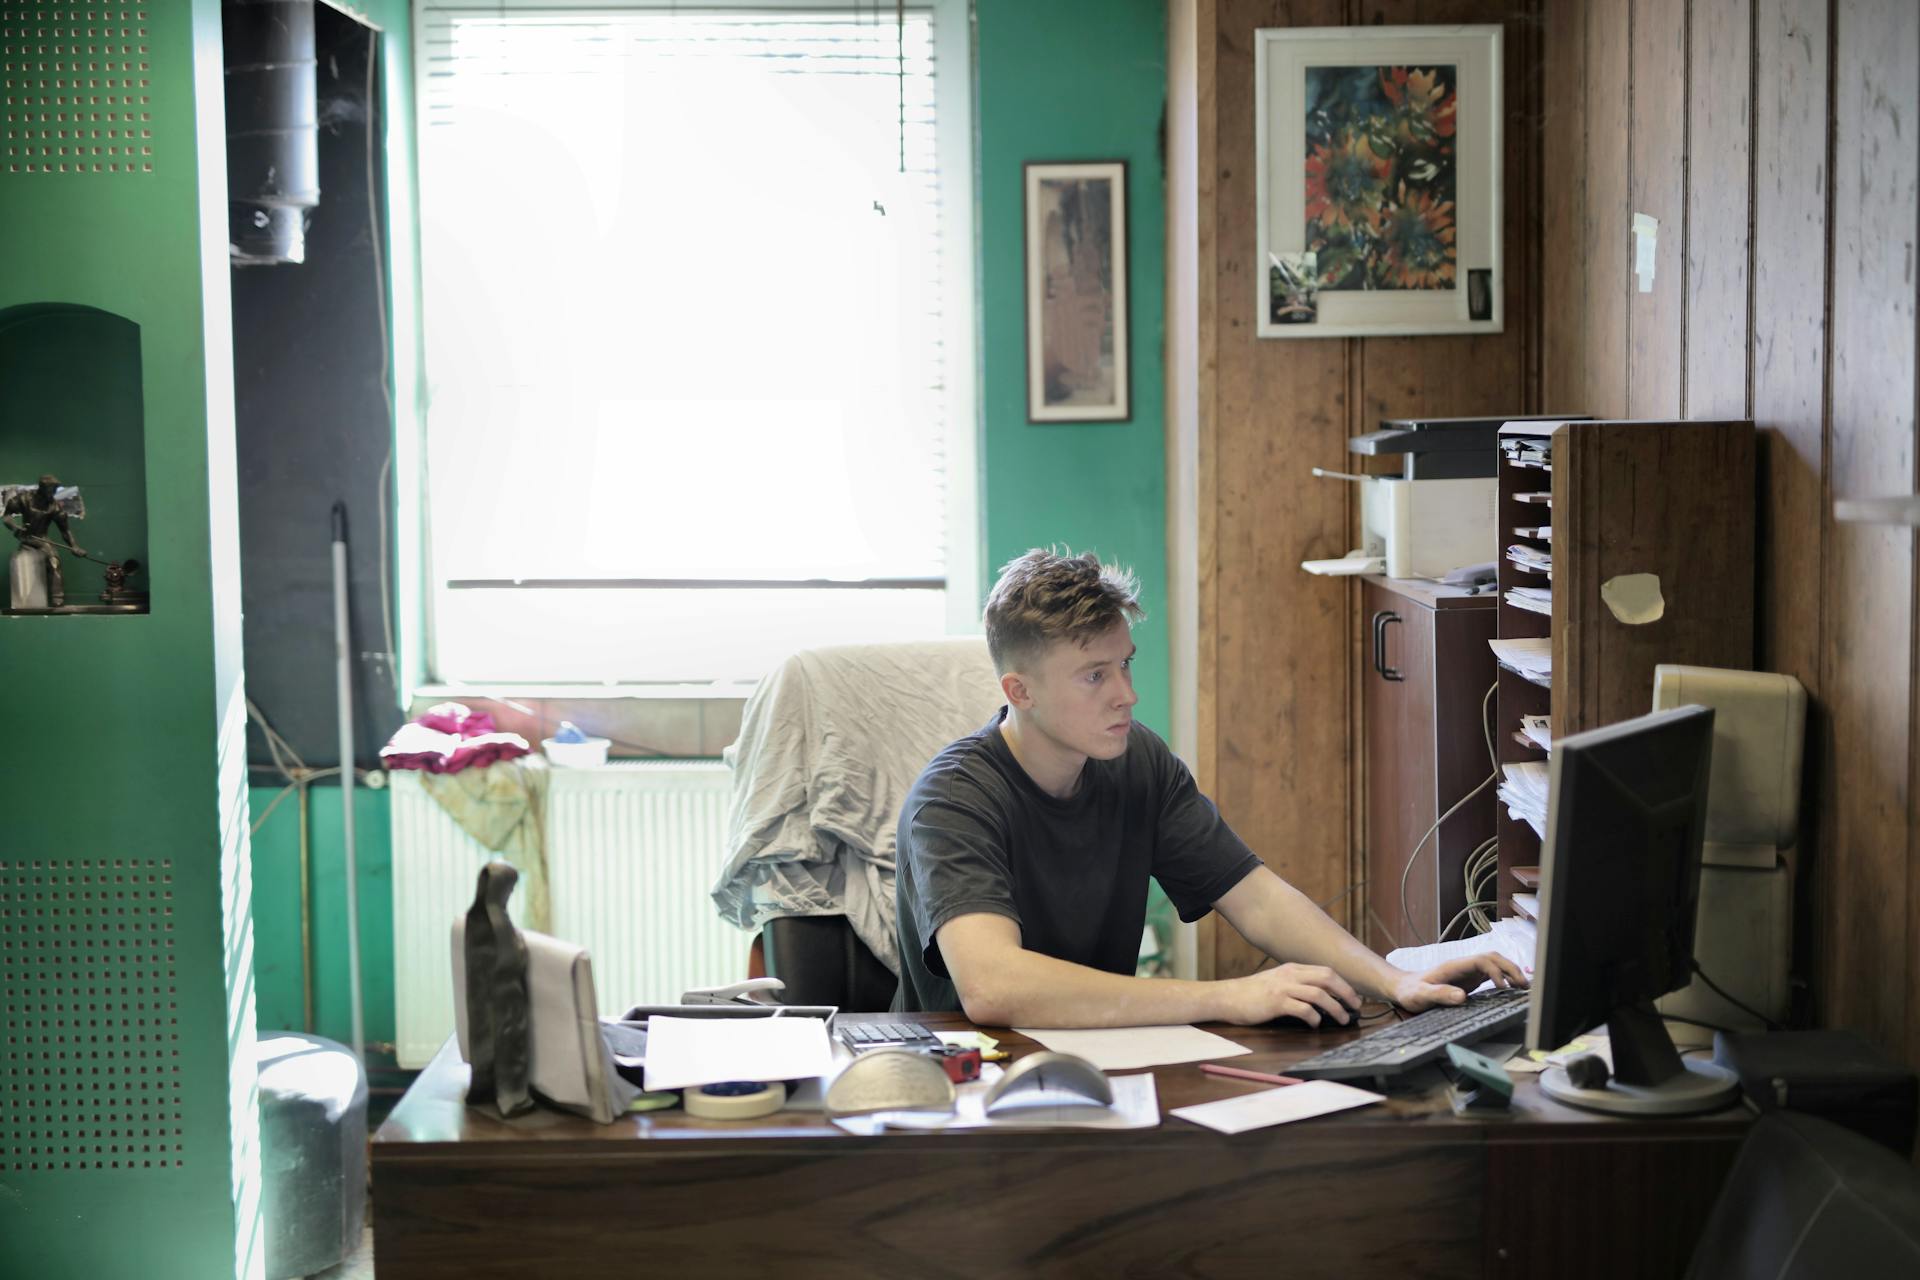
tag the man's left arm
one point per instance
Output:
(1284, 923)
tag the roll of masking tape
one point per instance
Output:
(735, 1100)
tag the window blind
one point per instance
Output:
(688, 324)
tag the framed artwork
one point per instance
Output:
(1076, 233)
(1378, 194)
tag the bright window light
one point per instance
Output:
(696, 302)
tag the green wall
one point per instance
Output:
(279, 1000)
(1075, 80)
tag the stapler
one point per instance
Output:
(752, 991)
(1493, 1093)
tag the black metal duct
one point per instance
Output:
(273, 134)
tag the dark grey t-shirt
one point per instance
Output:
(977, 834)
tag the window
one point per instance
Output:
(698, 313)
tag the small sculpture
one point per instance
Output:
(117, 592)
(29, 514)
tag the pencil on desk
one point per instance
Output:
(1241, 1073)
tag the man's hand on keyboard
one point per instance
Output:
(1449, 983)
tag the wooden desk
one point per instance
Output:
(1403, 1189)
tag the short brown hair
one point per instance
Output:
(1047, 596)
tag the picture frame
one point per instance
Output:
(1075, 216)
(1378, 157)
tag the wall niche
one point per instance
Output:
(71, 407)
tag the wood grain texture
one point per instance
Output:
(1674, 500)
(1278, 650)
(1278, 637)
(1447, 375)
(1719, 170)
(1789, 328)
(1830, 359)
(1463, 673)
(1400, 764)
(1206, 658)
(1564, 260)
(1607, 240)
(1868, 675)
(1656, 186)
(1655, 1205)
(457, 1194)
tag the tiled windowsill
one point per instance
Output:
(643, 720)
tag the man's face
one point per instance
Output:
(1083, 694)
(47, 491)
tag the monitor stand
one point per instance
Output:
(1650, 1078)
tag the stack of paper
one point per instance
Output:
(1528, 451)
(1531, 559)
(1532, 658)
(1523, 789)
(1532, 599)
(1527, 904)
(1538, 730)
(1513, 938)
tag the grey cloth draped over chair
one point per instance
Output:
(830, 744)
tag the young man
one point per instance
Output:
(1025, 849)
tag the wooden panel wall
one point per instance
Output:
(1278, 650)
(1775, 142)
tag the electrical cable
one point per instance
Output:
(1486, 730)
(1462, 914)
(1765, 1021)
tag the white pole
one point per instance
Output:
(343, 662)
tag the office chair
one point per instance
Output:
(1808, 1199)
(830, 743)
(1744, 927)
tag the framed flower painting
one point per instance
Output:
(1378, 180)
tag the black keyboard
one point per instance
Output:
(861, 1036)
(1417, 1040)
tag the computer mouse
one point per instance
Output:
(1049, 1079)
(1287, 1022)
(890, 1080)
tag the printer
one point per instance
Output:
(1440, 513)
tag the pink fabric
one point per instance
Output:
(455, 718)
(449, 738)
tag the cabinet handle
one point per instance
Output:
(1380, 621)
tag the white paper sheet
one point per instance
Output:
(1277, 1106)
(1136, 1105)
(1131, 1048)
(1512, 937)
(684, 1052)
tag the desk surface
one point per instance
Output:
(1404, 1186)
(433, 1116)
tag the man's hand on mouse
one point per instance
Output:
(1312, 993)
(1449, 983)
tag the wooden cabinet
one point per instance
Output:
(1426, 673)
(1649, 530)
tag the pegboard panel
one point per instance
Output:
(77, 84)
(90, 1067)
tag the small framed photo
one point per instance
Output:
(1378, 180)
(1076, 233)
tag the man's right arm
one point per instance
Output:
(1002, 984)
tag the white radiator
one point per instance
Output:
(632, 850)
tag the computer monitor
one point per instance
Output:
(1619, 887)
